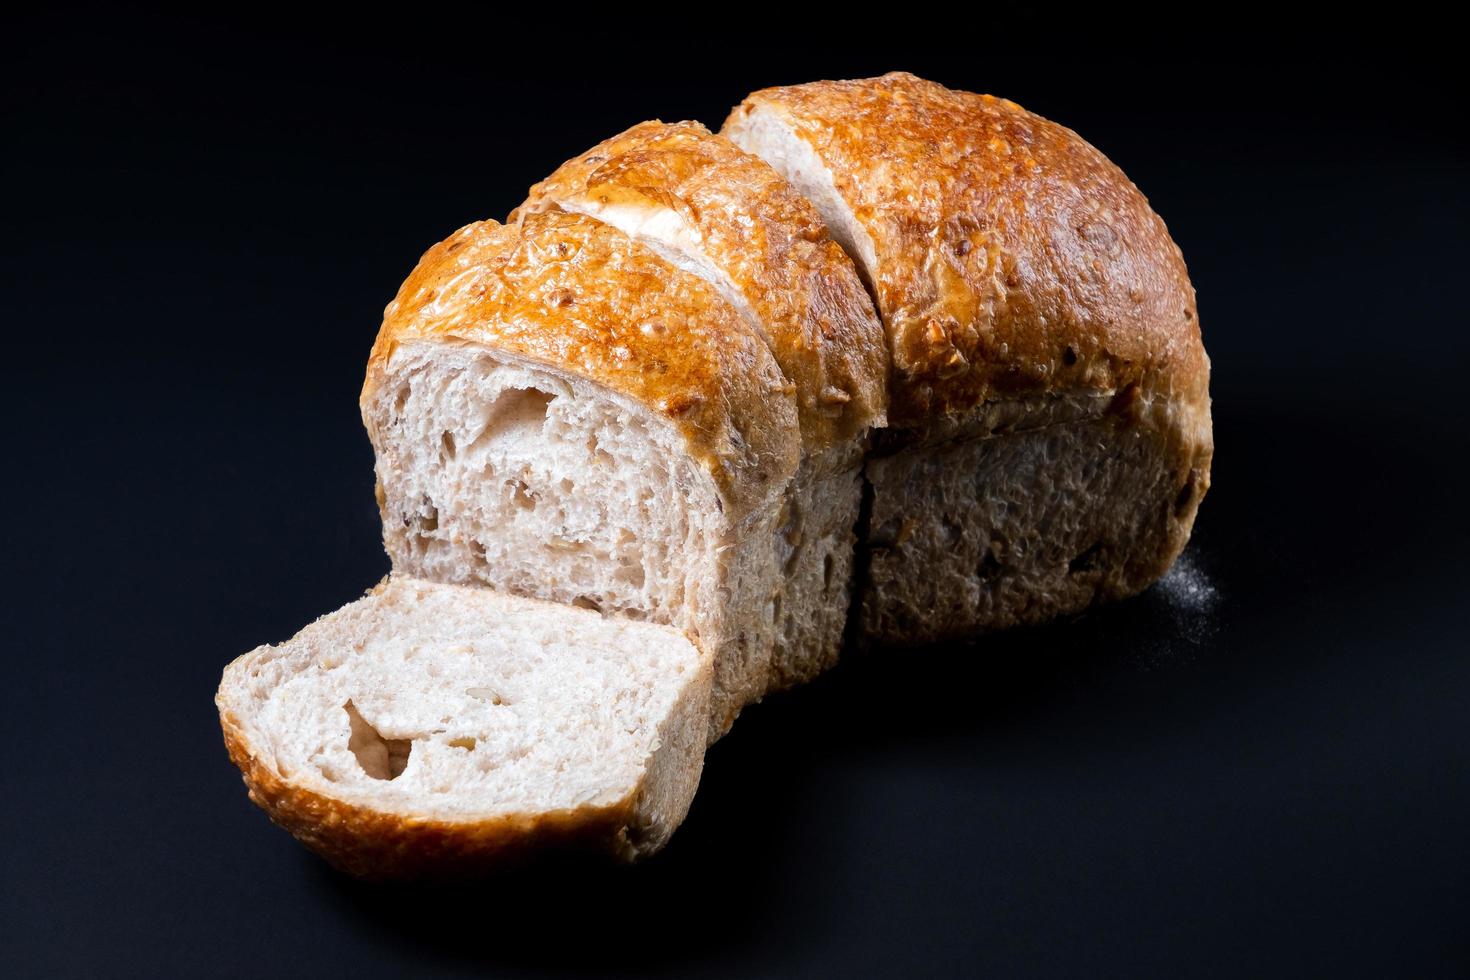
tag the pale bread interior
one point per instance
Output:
(503, 473)
(459, 704)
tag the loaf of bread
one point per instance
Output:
(876, 339)
(1050, 409)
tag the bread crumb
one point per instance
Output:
(1192, 597)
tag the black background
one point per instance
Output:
(1260, 767)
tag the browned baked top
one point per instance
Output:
(1011, 256)
(798, 285)
(573, 294)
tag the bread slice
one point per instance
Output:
(557, 412)
(438, 729)
(1050, 434)
(727, 217)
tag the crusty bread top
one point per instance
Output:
(575, 295)
(678, 183)
(1012, 258)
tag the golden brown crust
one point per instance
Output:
(770, 242)
(1012, 258)
(573, 294)
(373, 844)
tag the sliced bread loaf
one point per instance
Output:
(439, 729)
(659, 393)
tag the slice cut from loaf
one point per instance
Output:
(438, 729)
(1049, 398)
(725, 216)
(558, 412)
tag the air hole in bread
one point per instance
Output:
(990, 567)
(1086, 561)
(486, 694)
(829, 569)
(1185, 500)
(1125, 401)
(793, 560)
(379, 757)
(886, 535)
(954, 531)
(1069, 356)
(525, 498)
(518, 413)
(447, 441)
(400, 399)
(630, 573)
(587, 602)
(467, 744)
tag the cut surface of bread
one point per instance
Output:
(557, 412)
(497, 470)
(439, 729)
(1049, 399)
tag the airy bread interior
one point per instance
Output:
(501, 473)
(455, 704)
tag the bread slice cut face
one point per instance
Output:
(439, 729)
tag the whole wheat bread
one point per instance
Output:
(659, 393)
